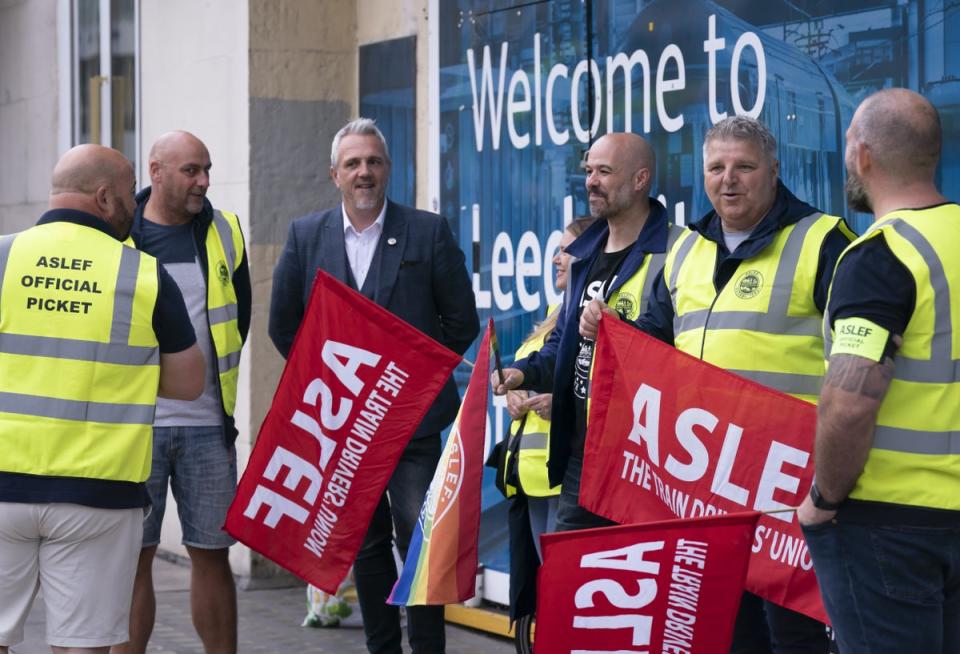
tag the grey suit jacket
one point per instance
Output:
(421, 278)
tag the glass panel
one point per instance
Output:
(87, 96)
(123, 63)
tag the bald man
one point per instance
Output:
(616, 260)
(883, 517)
(91, 332)
(745, 289)
(203, 249)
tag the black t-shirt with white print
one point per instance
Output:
(602, 276)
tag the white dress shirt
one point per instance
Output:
(361, 245)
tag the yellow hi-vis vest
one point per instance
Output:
(224, 245)
(763, 324)
(534, 445)
(79, 359)
(915, 456)
(630, 299)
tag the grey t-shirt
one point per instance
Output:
(173, 246)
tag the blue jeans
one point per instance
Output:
(763, 627)
(889, 588)
(202, 472)
(375, 570)
(570, 515)
(543, 518)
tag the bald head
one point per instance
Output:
(85, 168)
(179, 167)
(630, 151)
(174, 144)
(620, 169)
(98, 181)
(902, 131)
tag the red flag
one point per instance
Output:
(669, 586)
(441, 563)
(670, 435)
(356, 386)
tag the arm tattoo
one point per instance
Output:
(858, 375)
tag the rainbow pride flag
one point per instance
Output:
(441, 564)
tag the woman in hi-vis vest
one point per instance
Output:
(522, 463)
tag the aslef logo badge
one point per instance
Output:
(748, 285)
(222, 273)
(627, 306)
(445, 487)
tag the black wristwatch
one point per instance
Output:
(820, 502)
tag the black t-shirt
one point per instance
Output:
(602, 276)
(871, 283)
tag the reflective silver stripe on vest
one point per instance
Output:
(222, 314)
(226, 239)
(941, 368)
(654, 265)
(124, 294)
(775, 320)
(916, 442)
(788, 325)
(228, 362)
(65, 348)
(680, 258)
(535, 441)
(49, 407)
(5, 244)
(784, 382)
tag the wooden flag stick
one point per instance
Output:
(786, 510)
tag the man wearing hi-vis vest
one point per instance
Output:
(617, 259)
(883, 517)
(193, 447)
(745, 289)
(91, 332)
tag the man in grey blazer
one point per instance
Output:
(408, 262)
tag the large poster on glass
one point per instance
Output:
(525, 87)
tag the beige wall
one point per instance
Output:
(192, 81)
(264, 83)
(28, 110)
(303, 70)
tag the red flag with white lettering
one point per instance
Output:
(670, 586)
(357, 383)
(672, 436)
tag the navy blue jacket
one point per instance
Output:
(657, 321)
(552, 367)
(417, 273)
(241, 279)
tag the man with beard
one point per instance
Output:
(193, 442)
(616, 260)
(745, 289)
(91, 332)
(408, 262)
(883, 517)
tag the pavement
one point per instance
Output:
(269, 621)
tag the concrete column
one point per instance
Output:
(28, 110)
(303, 88)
